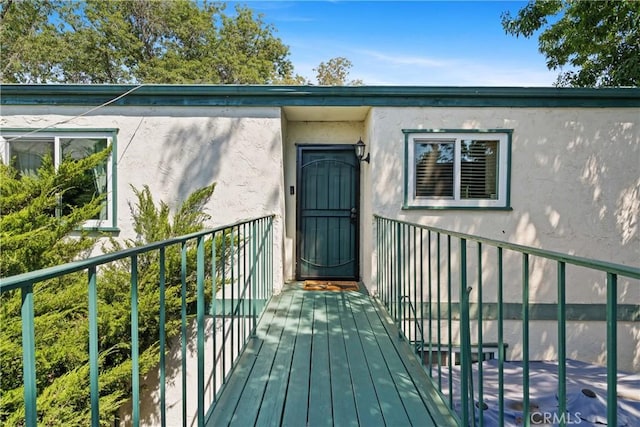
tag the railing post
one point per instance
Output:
(439, 312)
(388, 274)
(612, 348)
(135, 362)
(465, 339)
(239, 312)
(254, 266)
(399, 277)
(270, 252)
(526, 416)
(29, 356)
(223, 308)
(93, 347)
(393, 275)
(422, 341)
(450, 318)
(214, 314)
(501, 352)
(232, 314)
(562, 344)
(162, 337)
(183, 326)
(430, 305)
(200, 331)
(480, 344)
(415, 287)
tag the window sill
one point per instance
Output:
(451, 208)
(97, 230)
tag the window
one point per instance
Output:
(26, 152)
(457, 169)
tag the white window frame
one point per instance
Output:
(421, 136)
(8, 136)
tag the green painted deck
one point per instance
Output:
(328, 359)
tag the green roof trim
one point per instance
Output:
(281, 96)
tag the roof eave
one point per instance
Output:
(272, 95)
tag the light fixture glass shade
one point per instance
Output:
(359, 147)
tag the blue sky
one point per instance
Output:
(439, 43)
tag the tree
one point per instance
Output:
(60, 305)
(335, 72)
(600, 41)
(292, 80)
(137, 41)
(27, 41)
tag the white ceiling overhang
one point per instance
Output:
(325, 114)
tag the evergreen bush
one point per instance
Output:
(33, 238)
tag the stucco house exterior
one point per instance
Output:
(554, 168)
(567, 159)
(550, 168)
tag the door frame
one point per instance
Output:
(326, 147)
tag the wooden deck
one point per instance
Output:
(328, 359)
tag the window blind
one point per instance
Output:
(478, 169)
(434, 169)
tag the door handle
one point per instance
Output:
(354, 214)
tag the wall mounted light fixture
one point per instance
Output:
(359, 147)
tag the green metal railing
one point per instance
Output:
(423, 281)
(240, 266)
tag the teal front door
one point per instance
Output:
(328, 184)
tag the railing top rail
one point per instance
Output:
(619, 269)
(31, 277)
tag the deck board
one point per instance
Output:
(342, 397)
(228, 400)
(320, 413)
(271, 409)
(422, 384)
(246, 412)
(389, 401)
(363, 386)
(296, 403)
(416, 412)
(328, 359)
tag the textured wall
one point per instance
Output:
(575, 188)
(178, 150)
(575, 176)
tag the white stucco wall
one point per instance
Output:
(575, 188)
(575, 176)
(175, 151)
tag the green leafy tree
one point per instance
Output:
(60, 305)
(138, 41)
(335, 72)
(292, 80)
(598, 40)
(27, 41)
